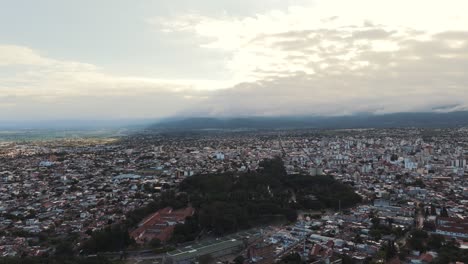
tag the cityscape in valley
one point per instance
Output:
(233, 132)
(258, 196)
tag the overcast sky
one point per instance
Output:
(107, 59)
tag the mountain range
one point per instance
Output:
(395, 120)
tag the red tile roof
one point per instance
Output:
(160, 225)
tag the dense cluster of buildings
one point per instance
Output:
(54, 188)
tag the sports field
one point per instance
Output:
(212, 246)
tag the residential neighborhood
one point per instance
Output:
(409, 179)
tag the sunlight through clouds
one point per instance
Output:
(309, 57)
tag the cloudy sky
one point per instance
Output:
(110, 59)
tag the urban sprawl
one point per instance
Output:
(413, 184)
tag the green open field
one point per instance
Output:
(44, 135)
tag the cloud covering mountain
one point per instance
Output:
(281, 58)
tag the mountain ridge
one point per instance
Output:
(394, 120)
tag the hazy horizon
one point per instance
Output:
(365, 120)
(107, 60)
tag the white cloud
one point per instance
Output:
(35, 86)
(17, 55)
(13, 55)
(365, 20)
(321, 57)
(338, 57)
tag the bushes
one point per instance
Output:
(111, 239)
(417, 240)
(187, 231)
(227, 202)
(328, 192)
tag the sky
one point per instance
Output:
(125, 59)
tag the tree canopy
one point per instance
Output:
(230, 202)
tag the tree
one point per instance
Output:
(155, 243)
(64, 249)
(390, 250)
(376, 234)
(435, 241)
(451, 252)
(239, 260)
(228, 202)
(188, 231)
(113, 238)
(419, 183)
(433, 210)
(274, 167)
(345, 259)
(205, 259)
(404, 253)
(444, 212)
(375, 222)
(389, 221)
(294, 258)
(417, 240)
(358, 239)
